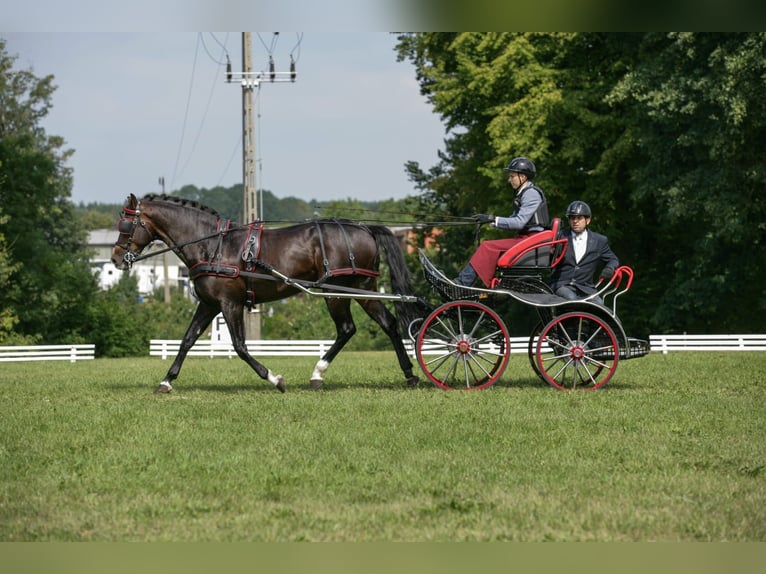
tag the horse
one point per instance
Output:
(236, 266)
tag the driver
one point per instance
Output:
(530, 216)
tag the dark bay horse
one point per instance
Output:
(235, 266)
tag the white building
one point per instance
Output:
(150, 272)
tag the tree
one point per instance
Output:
(8, 318)
(697, 119)
(659, 132)
(50, 282)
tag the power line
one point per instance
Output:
(213, 86)
(186, 115)
(204, 45)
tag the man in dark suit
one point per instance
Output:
(572, 278)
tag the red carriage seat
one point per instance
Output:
(542, 250)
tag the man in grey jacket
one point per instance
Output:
(572, 278)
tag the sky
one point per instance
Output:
(136, 107)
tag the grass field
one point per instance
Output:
(673, 449)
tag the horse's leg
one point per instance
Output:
(202, 318)
(383, 317)
(340, 311)
(233, 313)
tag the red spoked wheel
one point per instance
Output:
(463, 345)
(577, 351)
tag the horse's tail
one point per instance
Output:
(401, 280)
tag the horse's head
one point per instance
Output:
(135, 234)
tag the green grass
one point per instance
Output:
(673, 449)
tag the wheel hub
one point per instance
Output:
(577, 353)
(463, 347)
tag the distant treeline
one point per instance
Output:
(228, 202)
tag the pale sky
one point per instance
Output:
(138, 106)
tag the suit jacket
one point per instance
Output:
(580, 275)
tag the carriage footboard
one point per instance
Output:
(636, 348)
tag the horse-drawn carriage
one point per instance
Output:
(461, 344)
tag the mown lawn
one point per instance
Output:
(673, 449)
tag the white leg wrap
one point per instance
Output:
(274, 379)
(167, 385)
(319, 369)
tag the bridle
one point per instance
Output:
(130, 220)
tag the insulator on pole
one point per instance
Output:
(292, 69)
(272, 71)
(228, 69)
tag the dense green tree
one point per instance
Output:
(697, 121)
(659, 132)
(51, 282)
(8, 318)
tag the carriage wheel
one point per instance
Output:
(532, 353)
(577, 351)
(463, 345)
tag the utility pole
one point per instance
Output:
(249, 201)
(251, 80)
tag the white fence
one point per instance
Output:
(69, 353)
(168, 348)
(667, 343)
(518, 345)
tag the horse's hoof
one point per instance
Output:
(413, 382)
(163, 388)
(281, 384)
(316, 384)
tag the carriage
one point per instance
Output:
(464, 343)
(461, 344)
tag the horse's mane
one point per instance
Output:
(181, 202)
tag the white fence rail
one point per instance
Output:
(518, 345)
(667, 343)
(69, 353)
(168, 348)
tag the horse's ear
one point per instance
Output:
(132, 201)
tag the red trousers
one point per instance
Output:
(484, 259)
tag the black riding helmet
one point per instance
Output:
(578, 208)
(522, 165)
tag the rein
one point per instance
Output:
(130, 220)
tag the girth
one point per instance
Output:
(352, 259)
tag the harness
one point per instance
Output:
(250, 260)
(353, 269)
(216, 268)
(126, 226)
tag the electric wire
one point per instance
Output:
(204, 45)
(213, 87)
(237, 147)
(297, 47)
(186, 115)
